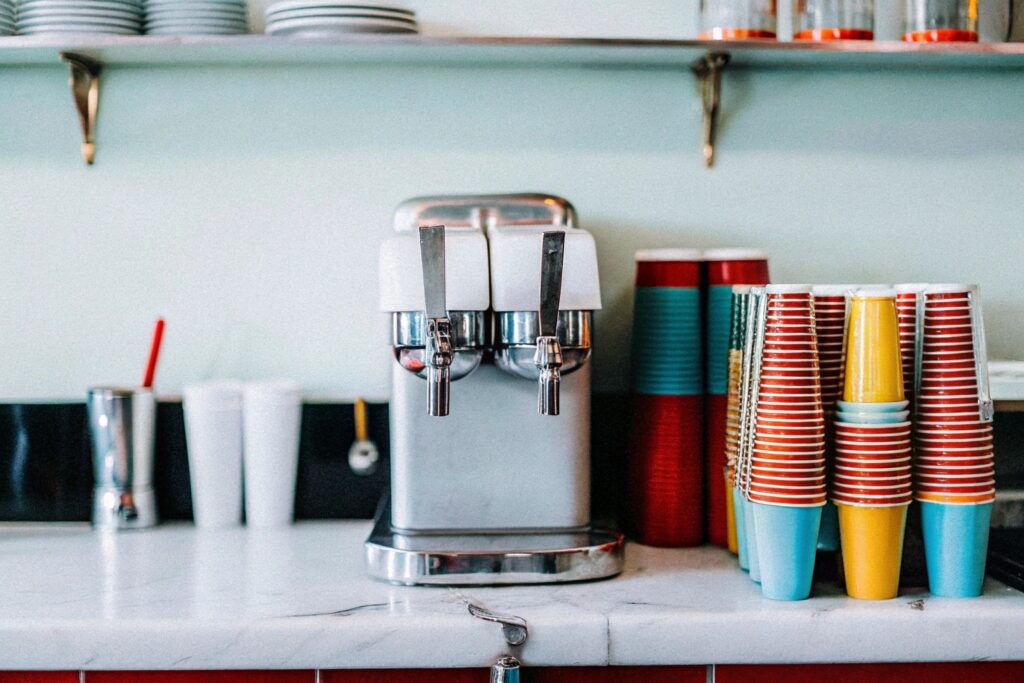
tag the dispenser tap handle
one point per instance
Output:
(549, 352)
(439, 327)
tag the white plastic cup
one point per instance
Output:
(272, 414)
(213, 433)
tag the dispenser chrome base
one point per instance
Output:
(489, 559)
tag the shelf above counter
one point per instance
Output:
(258, 49)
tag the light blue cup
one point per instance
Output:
(872, 418)
(787, 542)
(753, 559)
(741, 529)
(851, 407)
(955, 546)
(828, 536)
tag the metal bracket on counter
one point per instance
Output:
(85, 90)
(708, 70)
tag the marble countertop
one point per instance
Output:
(175, 598)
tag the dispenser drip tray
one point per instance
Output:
(491, 559)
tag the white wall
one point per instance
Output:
(247, 204)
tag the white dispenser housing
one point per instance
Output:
(492, 453)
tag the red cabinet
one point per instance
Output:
(614, 674)
(197, 677)
(940, 672)
(39, 677)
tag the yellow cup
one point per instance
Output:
(730, 518)
(874, 366)
(872, 542)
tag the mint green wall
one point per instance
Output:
(247, 204)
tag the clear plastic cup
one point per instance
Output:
(834, 20)
(737, 19)
(941, 21)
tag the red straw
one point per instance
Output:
(154, 353)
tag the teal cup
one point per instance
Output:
(741, 529)
(787, 542)
(864, 418)
(894, 407)
(955, 546)
(828, 537)
(753, 559)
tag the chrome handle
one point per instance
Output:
(439, 353)
(512, 627)
(439, 327)
(505, 670)
(548, 357)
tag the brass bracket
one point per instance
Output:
(708, 70)
(85, 90)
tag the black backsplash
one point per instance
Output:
(46, 475)
(46, 466)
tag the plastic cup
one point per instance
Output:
(788, 540)
(753, 558)
(895, 406)
(872, 418)
(955, 546)
(731, 539)
(272, 413)
(213, 432)
(736, 496)
(828, 534)
(957, 498)
(874, 366)
(872, 540)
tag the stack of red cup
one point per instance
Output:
(830, 324)
(954, 456)
(788, 461)
(906, 311)
(954, 465)
(872, 465)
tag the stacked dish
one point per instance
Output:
(117, 17)
(327, 18)
(6, 17)
(195, 17)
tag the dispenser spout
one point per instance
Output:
(548, 356)
(439, 327)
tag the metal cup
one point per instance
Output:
(121, 431)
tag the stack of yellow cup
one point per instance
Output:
(872, 484)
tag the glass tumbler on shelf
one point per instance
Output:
(834, 19)
(737, 19)
(941, 21)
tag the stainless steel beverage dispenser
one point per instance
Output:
(491, 301)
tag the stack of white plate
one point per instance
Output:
(327, 18)
(6, 17)
(195, 17)
(118, 17)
